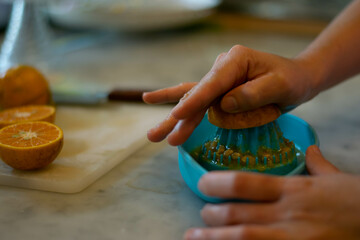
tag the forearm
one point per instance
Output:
(335, 54)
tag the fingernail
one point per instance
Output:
(194, 234)
(315, 149)
(211, 183)
(212, 209)
(229, 104)
(202, 184)
(174, 111)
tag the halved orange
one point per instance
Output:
(27, 114)
(30, 145)
(24, 85)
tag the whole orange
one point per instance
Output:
(23, 85)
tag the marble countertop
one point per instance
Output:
(145, 197)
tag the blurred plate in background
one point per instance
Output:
(129, 15)
(287, 9)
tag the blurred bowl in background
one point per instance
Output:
(129, 15)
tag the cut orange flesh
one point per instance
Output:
(27, 114)
(30, 145)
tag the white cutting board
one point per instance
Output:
(95, 140)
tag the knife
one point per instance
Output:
(63, 97)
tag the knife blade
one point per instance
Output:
(92, 98)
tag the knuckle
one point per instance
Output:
(296, 185)
(186, 89)
(295, 214)
(283, 81)
(221, 55)
(186, 86)
(250, 96)
(239, 49)
(287, 86)
(183, 85)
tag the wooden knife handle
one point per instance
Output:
(126, 95)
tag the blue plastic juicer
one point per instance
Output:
(274, 148)
(260, 149)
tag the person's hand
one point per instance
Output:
(244, 79)
(322, 206)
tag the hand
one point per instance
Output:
(244, 78)
(322, 206)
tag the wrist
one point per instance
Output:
(315, 74)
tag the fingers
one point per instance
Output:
(168, 95)
(176, 132)
(254, 94)
(229, 70)
(184, 129)
(239, 213)
(160, 132)
(242, 185)
(244, 232)
(316, 164)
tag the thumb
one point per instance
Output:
(316, 164)
(246, 96)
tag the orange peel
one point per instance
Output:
(248, 119)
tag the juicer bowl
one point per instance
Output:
(294, 128)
